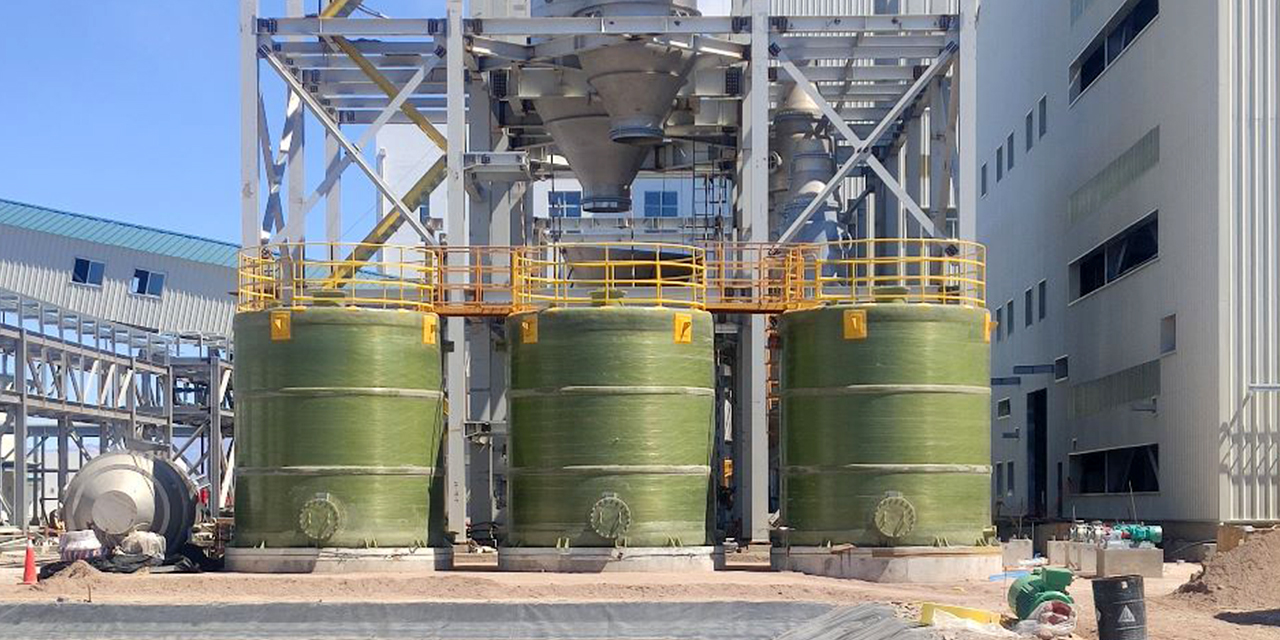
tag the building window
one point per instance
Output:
(147, 283)
(424, 211)
(984, 179)
(1114, 40)
(1008, 312)
(565, 204)
(1030, 130)
(1061, 369)
(1044, 115)
(1044, 297)
(999, 324)
(1117, 471)
(1028, 307)
(1169, 334)
(1004, 408)
(999, 480)
(86, 271)
(1009, 144)
(661, 204)
(1010, 479)
(1117, 257)
(999, 164)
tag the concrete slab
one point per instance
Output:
(1056, 552)
(334, 560)
(1015, 552)
(1082, 558)
(897, 565)
(1148, 563)
(600, 560)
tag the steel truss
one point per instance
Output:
(890, 86)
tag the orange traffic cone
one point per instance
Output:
(29, 566)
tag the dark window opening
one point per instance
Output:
(1044, 115)
(1004, 408)
(1044, 295)
(147, 283)
(89, 272)
(1128, 250)
(1117, 471)
(984, 179)
(1030, 131)
(1113, 41)
(661, 204)
(1028, 307)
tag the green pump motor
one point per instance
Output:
(1042, 585)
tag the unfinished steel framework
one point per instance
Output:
(73, 387)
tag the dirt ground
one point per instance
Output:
(1169, 616)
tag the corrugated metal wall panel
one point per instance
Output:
(1251, 348)
(197, 296)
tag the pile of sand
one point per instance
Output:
(1243, 578)
(78, 574)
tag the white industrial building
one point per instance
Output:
(1127, 176)
(147, 278)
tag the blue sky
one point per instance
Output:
(130, 110)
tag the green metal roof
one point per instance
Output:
(120, 234)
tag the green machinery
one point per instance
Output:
(338, 428)
(611, 430)
(1045, 584)
(886, 425)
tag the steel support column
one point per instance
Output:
(458, 232)
(19, 502)
(249, 147)
(216, 390)
(752, 440)
(967, 110)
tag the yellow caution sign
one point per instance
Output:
(988, 328)
(281, 325)
(855, 324)
(683, 330)
(430, 328)
(529, 329)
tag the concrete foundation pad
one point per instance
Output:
(1017, 551)
(892, 564)
(601, 560)
(1148, 563)
(335, 560)
(1082, 558)
(1057, 552)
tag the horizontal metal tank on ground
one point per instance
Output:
(611, 427)
(886, 425)
(117, 493)
(338, 429)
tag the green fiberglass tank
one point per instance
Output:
(886, 425)
(611, 427)
(338, 429)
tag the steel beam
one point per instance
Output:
(458, 233)
(249, 131)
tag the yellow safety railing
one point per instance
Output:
(476, 281)
(921, 270)
(310, 274)
(621, 273)
(751, 277)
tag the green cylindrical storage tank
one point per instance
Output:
(611, 428)
(886, 425)
(338, 429)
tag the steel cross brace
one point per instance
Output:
(863, 148)
(294, 230)
(318, 110)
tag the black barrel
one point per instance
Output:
(1121, 607)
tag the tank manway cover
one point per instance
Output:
(318, 518)
(610, 517)
(895, 517)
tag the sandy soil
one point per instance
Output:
(1170, 617)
